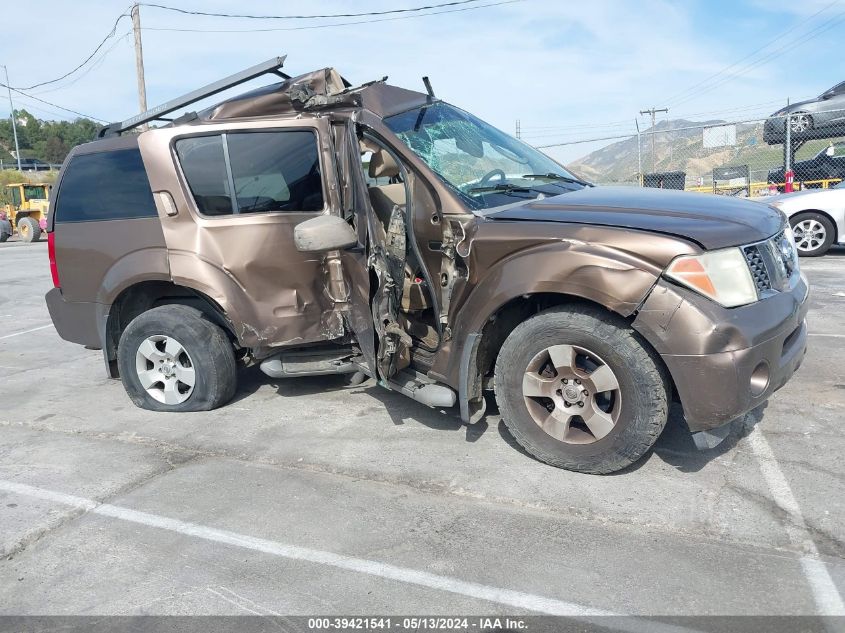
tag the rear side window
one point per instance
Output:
(105, 186)
(253, 172)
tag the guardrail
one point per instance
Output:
(13, 165)
(763, 188)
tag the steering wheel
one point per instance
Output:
(485, 180)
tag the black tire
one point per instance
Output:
(4, 236)
(829, 229)
(642, 380)
(207, 345)
(29, 230)
(803, 116)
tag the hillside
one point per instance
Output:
(48, 140)
(683, 150)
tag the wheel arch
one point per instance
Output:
(481, 349)
(141, 296)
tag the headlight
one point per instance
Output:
(721, 275)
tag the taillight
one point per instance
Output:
(51, 253)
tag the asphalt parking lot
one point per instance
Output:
(304, 497)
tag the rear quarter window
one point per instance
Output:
(105, 186)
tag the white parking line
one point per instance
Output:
(825, 593)
(506, 597)
(35, 329)
(827, 335)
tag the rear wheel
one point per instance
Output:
(29, 230)
(814, 233)
(4, 236)
(800, 122)
(172, 358)
(579, 391)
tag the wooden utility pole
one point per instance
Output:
(139, 60)
(652, 112)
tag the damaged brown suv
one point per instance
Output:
(313, 227)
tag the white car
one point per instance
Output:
(817, 217)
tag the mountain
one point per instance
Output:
(679, 149)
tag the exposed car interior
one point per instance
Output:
(390, 193)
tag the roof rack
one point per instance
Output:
(157, 114)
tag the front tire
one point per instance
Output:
(578, 390)
(29, 230)
(173, 358)
(814, 234)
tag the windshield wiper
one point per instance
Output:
(502, 188)
(574, 181)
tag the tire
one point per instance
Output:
(4, 236)
(640, 404)
(29, 230)
(814, 233)
(800, 122)
(208, 360)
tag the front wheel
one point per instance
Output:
(172, 358)
(578, 390)
(813, 234)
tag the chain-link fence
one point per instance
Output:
(742, 158)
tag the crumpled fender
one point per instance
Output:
(612, 278)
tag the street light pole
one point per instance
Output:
(12, 114)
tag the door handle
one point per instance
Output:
(167, 203)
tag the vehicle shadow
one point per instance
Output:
(251, 379)
(675, 445)
(400, 408)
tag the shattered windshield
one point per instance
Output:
(487, 167)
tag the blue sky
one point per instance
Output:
(567, 70)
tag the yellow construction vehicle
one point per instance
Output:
(27, 211)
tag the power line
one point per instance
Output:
(55, 105)
(329, 26)
(87, 59)
(91, 67)
(304, 17)
(806, 37)
(684, 95)
(752, 53)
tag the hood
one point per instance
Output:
(708, 220)
(797, 201)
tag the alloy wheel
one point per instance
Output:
(572, 394)
(809, 235)
(165, 369)
(799, 123)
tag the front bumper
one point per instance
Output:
(725, 362)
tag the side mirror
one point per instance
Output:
(323, 233)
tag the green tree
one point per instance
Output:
(47, 140)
